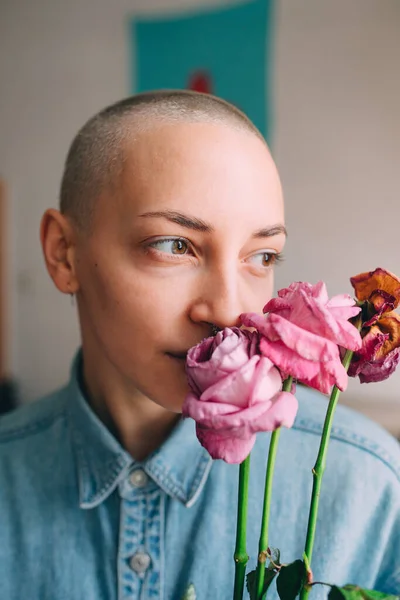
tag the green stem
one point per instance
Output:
(263, 542)
(318, 472)
(241, 556)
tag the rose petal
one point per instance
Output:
(390, 325)
(382, 301)
(321, 375)
(379, 371)
(229, 436)
(303, 342)
(281, 414)
(367, 283)
(245, 422)
(319, 320)
(303, 330)
(309, 308)
(267, 382)
(236, 388)
(210, 361)
(220, 445)
(340, 301)
(231, 350)
(380, 352)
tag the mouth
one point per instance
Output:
(177, 355)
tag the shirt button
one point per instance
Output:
(140, 562)
(138, 478)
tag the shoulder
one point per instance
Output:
(352, 432)
(24, 424)
(357, 446)
(35, 456)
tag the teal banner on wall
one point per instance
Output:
(224, 51)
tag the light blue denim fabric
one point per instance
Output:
(75, 524)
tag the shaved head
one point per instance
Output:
(96, 156)
(173, 221)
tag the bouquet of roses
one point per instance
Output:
(243, 381)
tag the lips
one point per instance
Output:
(179, 355)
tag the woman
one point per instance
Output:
(171, 221)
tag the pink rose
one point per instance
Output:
(302, 333)
(236, 392)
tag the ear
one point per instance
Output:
(58, 244)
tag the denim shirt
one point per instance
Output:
(81, 520)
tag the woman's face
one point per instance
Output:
(188, 239)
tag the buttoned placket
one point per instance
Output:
(141, 538)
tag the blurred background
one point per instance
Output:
(328, 97)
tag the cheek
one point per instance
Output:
(269, 292)
(258, 293)
(271, 287)
(130, 303)
(100, 293)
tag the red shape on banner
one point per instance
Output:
(200, 81)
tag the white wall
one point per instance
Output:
(336, 93)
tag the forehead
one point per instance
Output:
(211, 170)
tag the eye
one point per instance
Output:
(176, 246)
(266, 259)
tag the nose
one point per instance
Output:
(217, 300)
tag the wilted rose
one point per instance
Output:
(380, 352)
(303, 330)
(236, 392)
(380, 290)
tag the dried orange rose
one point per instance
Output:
(378, 293)
(380, 289)
(380, 352)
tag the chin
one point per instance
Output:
(174, 402)
(171, 404)
(169, 391)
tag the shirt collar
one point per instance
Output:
(180, 466)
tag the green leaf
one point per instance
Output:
(190, 593)
(290, 580)
(354, 592)
(337, 593)
(251, 582)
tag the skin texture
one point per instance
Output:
(136, 301)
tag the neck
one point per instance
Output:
(139, 424)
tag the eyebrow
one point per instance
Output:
(196, 224)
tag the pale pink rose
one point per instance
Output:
(302, 332)
(236, 392)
